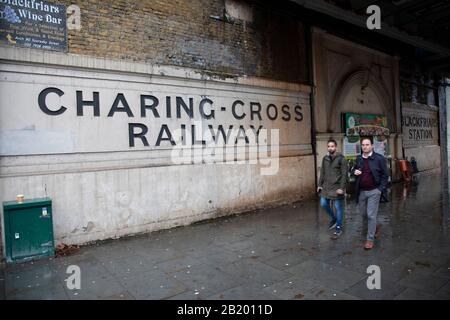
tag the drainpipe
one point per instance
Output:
(312, 84)
(401, 112)
(442, 116)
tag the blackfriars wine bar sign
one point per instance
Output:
(33, 24)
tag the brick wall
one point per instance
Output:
(183, 33)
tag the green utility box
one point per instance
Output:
(28, 229)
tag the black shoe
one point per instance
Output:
(332, 224)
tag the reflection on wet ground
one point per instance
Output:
(280, 253)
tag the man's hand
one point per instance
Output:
(319, 189)
(357, 172)
(340, 191)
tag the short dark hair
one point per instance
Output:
(333, 141)
(367, 138)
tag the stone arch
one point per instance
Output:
(362, 79)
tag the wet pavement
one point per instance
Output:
(280, 253)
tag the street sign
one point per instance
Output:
(33, 24)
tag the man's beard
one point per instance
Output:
(332, 152)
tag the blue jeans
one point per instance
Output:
(339, 205)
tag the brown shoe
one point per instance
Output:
(378, 231)
(368, 245)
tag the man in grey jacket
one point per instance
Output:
(333, 178)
